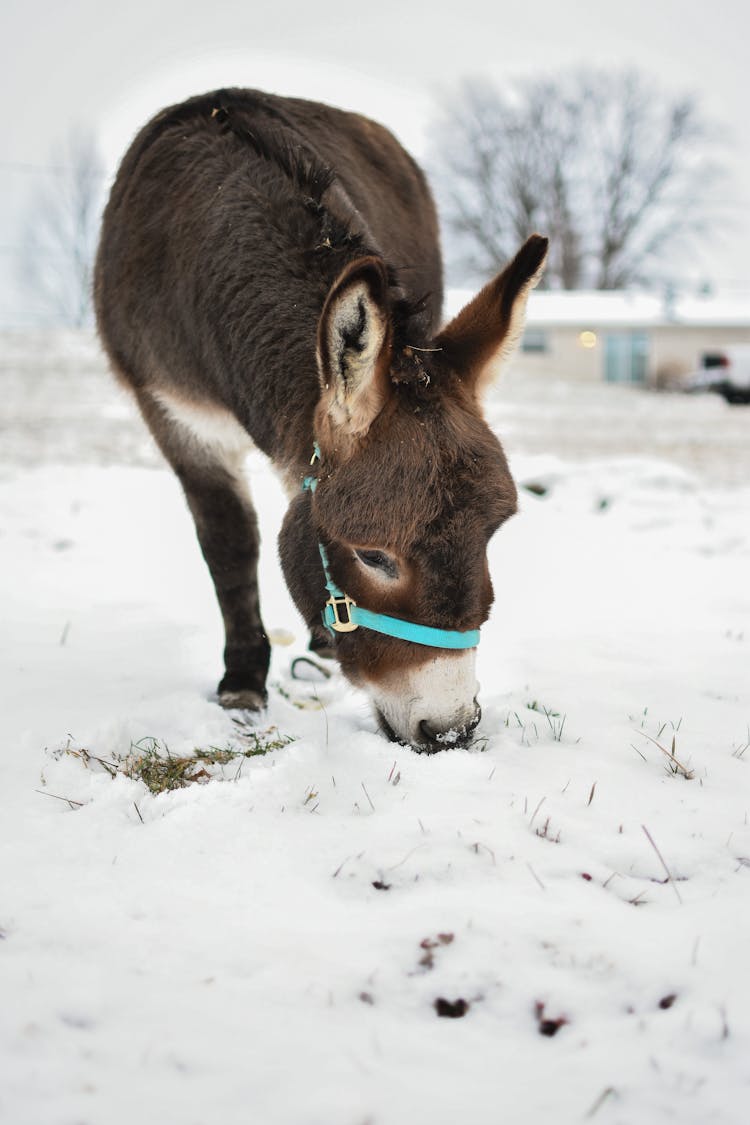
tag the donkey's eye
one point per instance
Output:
(378, 560)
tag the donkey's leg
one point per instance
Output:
(227, 530)
(206, 448)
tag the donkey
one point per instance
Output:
(269, 273)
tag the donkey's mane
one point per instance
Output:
(259, 122)
(275, 139)
(280, 144)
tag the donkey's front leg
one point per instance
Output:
(227, 530)
(210, 473)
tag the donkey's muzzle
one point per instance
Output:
(432, 706)
(435, 738)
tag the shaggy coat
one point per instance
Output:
(269, 273)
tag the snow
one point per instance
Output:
(267, 946)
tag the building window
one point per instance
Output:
(534, 340)
(626, 357)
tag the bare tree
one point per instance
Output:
(648, 174)
(60, 232)
(609, 167)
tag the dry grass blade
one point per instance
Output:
(607, 1093)
(68, 800)
(112, 768)
(536, 877)
(740, 750)
(536, 810)
(670, 878)
(678, 767)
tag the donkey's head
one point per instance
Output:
(410, 485)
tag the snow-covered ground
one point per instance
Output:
(275, 945)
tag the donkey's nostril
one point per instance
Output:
(428, 732)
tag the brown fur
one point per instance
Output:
(276, 261)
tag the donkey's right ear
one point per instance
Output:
(354, 343)
(486, 332)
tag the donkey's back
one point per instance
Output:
(217, 250)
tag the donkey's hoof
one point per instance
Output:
(245, 700)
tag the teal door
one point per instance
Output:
(626, 357)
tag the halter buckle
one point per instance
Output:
(334, 620)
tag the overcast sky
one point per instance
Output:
(113, 65)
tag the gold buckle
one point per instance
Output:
(339, 626)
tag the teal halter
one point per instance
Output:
(342, 615)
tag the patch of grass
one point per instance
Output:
(151, 761)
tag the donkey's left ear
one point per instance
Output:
(354, 342)
(486, 332)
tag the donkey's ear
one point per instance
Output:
(354, 341)
(486, 332)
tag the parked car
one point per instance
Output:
(725, 371)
